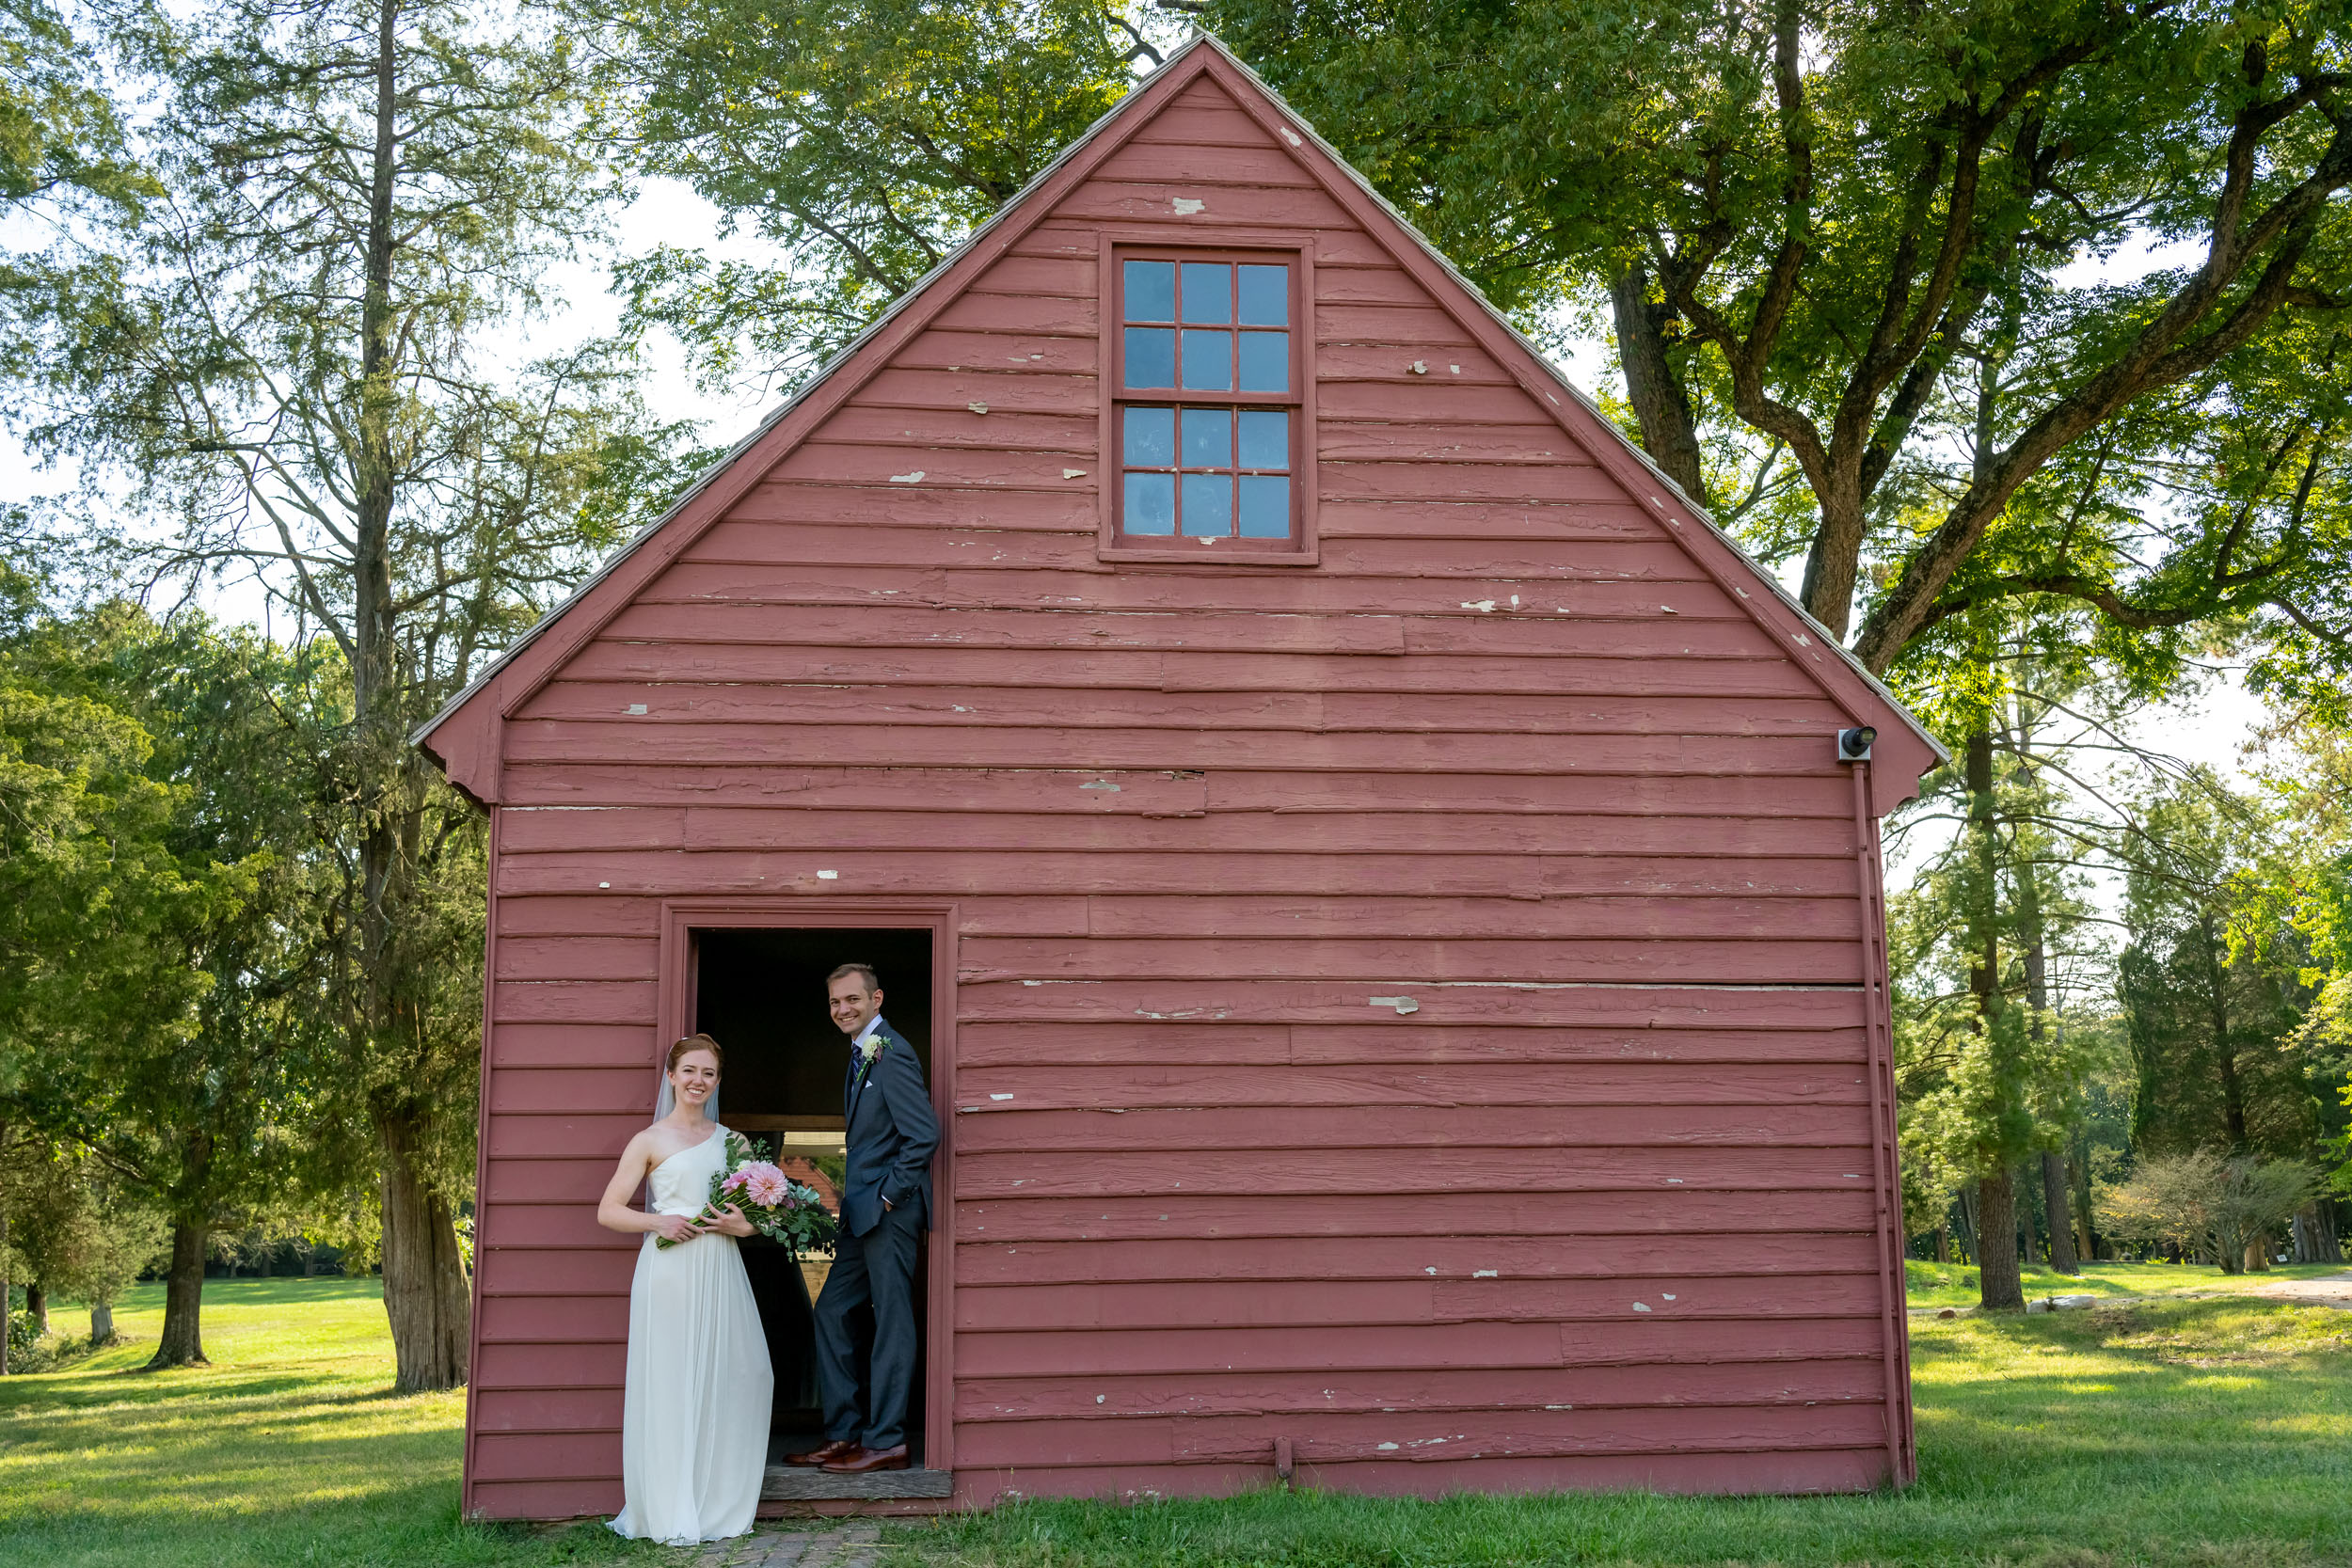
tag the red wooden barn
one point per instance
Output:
(1370, 868)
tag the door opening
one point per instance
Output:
(760, 993)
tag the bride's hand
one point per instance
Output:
(730, 1221)
(677, 1227)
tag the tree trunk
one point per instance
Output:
(2054, 1193)
(2023, 1191)
(2258, 1256)
(1999, 1287)
(2081, 1172)
(101, 1323)
(1943, 1239)
(426, 1290)
(1967, 1200)
(2224, 1049)
(37, 1303)
(2315, 1234)
(1997, 1284)
(1661, 407)
(4, 1279)
(182, 1343)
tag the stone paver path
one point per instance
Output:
(796, 1544)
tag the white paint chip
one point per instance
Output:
(1402, 1004)
(1674, 1181)
(1640, 1307)
(1419, 367)
(1455, 369)
(1291, 137)
(977, 407)
(1669, 609)
(604, 884)
(1485, 607)
(1386, 1447)
(1073, 473)
(637, 707)
(1670, 1298)
(1487, 1273)
(915, 478)
(1000, 1096)
(829, 876)
(1432, 1269)
(1185, 206)
(1099, 1397)
(1104, 785)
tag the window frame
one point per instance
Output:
(1296, 253)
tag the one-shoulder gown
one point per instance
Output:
(694, 1417)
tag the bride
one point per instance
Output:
(694, 1417)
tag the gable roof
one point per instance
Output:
(462, 738)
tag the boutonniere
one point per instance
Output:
(870, 1048)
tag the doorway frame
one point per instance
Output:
(682, 917)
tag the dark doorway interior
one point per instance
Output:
(761, 995)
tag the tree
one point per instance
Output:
(83, 1238)
(192, 1098)
(59, 133)
(863, 137)
(1812, 219)
(94, 905)
(299, 374)
(2208, 1028)
(2220, 1208)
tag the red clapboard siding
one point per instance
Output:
(1417, 1005)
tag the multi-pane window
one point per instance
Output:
(1207, 400)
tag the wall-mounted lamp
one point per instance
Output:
(1855, 745)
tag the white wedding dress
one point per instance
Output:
(694, 1417)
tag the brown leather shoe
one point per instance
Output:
(868, 1459)
(841, 1447)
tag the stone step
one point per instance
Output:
(800, 1483)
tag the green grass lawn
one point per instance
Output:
(2213, 1431)
(287, 1450)
(1955, 1284)
(2210, 1434)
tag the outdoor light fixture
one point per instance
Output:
(1855, 745)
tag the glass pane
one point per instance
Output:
(1150, 291)
(1265, 440)
(1208, 506)
(1265, 296)
(1265, 362)
(1208, 292)
(1150, 438)
(1208, 362)
(1151, 356)
(1208, 438)
(1150, 503)
(1265, 507)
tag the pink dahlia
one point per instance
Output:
(764, 1184)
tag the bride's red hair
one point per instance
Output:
(696, 1042)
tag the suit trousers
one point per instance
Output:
(865, 1331)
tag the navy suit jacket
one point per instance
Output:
(892, 1134)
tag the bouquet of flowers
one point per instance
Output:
(779, 1208)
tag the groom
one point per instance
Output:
(886, 1204)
